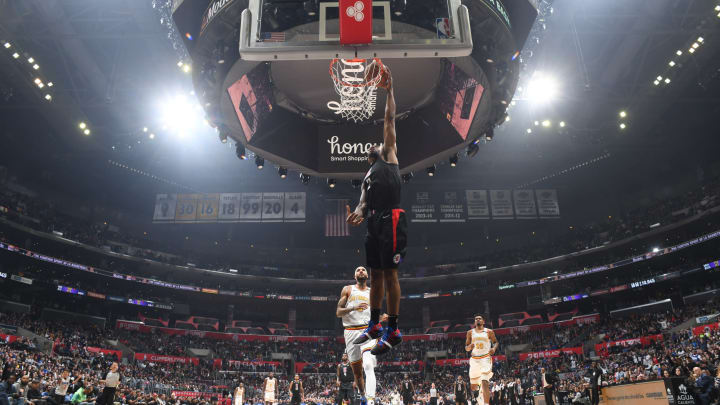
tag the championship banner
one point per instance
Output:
(161, 358)
(550, 353)
(547, 202)
(477, 204)
(524, 204)
(501, 204)
(108, 352)
(423, 208)
(164, 208)
(452, 208)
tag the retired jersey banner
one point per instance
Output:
(525, 204)
(501, 202)
(550, 353)
(230, 207)
(547, 203)
(477, 204)
(164, 207)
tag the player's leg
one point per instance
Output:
(370, 382)
(357, 368)
(474, 391)
(486, 391)
(377, 284)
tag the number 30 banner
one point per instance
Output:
(230, 207)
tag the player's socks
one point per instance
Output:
(474, 396)
(392, 321)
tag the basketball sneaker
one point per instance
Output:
(390, 339)
(373, 331)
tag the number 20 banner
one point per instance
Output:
(230, 207)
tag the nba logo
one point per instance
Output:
(443, 28)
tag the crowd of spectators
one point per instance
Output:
(44, 216)
(677, 354)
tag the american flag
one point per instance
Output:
(335, 215)
(273, 36)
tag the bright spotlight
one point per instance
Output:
(546, 123)
(180, 116)
(145, 129)
(82, 125)
(431, 171)
(48, 97)
(542, 88)
(331, 183)
(453, 160)
(695, 45)
(678, 53)
(86, 132)
(656, 82)
(31, 60)
(36, 66)
(537, 123)
(50, 84)
(667, 81)
(623, 114)
(562, 124)
(701, 40)
(180, 64)
(717, 8)
(16, 55)
(622, 125)
(259, 162)
(529, 131)
(7, 45)
(186, 68)
(659, 77)
(672, 63)
(691, 50)
(151, 136)
(282, 171)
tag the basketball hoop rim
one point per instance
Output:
(374, 82)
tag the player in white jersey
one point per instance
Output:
(354, 309)
(369, 362)
(482, 344)
(270, 388)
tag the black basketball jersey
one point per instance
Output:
(459, 389)
(406, 389)
(382, 186)
(346, 373)
(295, 388)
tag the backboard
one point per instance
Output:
(293, 30)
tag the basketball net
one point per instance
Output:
(358, 93)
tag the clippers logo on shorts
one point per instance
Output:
(397, 258)
(355, 22)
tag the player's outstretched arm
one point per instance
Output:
(389, 148)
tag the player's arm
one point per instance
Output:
(389, 148)
(468, 341)
(338, 375)
(302, 392)
(495, 343)
(356, 217)
(341, 310)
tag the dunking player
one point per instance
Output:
(386, 230)
(270, 389)
(478, 341)
(353, 308)
(297, 394)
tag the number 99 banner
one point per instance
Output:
(230, 207)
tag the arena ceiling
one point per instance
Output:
(113, 66)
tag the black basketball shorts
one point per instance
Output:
(386, 239)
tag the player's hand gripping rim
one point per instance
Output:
(354, 218)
